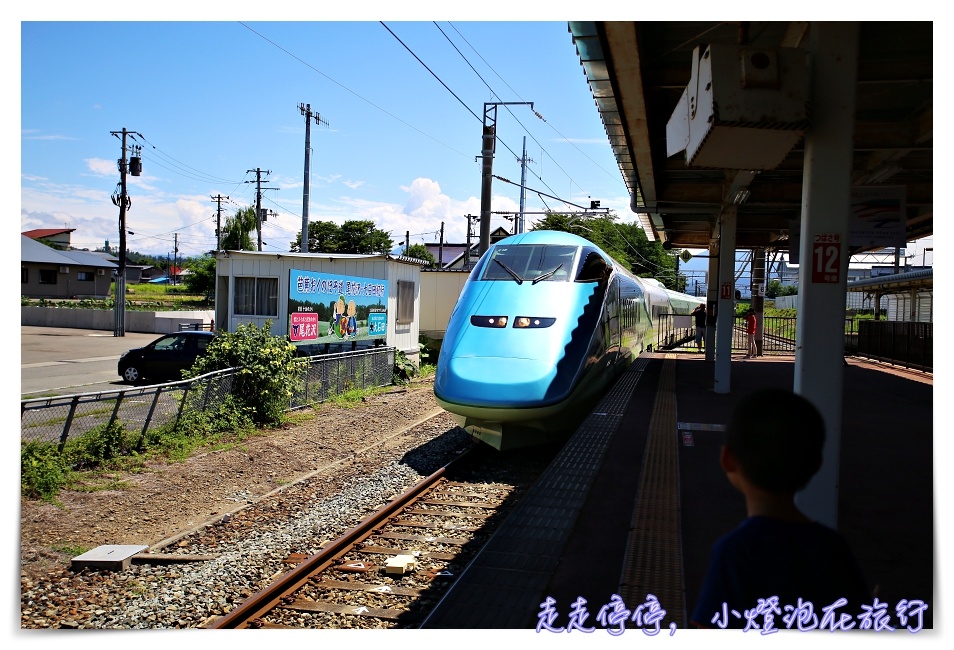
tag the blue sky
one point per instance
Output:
(401, 117)
(401, 105)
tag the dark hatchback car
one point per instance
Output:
(165, 358)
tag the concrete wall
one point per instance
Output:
(158, 322)
(439, 293)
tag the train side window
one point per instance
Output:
(592, 268)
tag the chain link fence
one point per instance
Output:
(55, 420)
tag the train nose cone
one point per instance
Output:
(495, 381)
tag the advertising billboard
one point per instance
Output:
(328, 308)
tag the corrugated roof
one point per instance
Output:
(328, 256)
(35, 252)
(46, 232)
(895, 282)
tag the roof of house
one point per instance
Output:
(329, 256)
(39, 233)
(33, 251)
(451, 252)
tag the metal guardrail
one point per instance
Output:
(57, 419)
(196, 327)
(907, 344)
(778, 335)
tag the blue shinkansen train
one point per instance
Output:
(545, 323)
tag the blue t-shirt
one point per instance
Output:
(767, 557)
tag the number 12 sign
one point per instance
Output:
(826, 258)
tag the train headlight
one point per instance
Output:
(488, 321)
(529, 322)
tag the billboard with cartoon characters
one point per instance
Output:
(327, 308)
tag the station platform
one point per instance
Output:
(634, 501)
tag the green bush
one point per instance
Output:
(430, 349)
(269, 372)
(196, 428)
(404, 368)
(43, 471)
(101, 443)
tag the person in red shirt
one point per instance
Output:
(750, 326)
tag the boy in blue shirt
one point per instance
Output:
(773, 447)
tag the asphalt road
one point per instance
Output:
(64, 361)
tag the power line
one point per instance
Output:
(537, 114)
(364, 99)
(432, 73)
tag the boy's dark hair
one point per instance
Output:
(777, 437)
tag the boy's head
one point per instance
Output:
(776, 438)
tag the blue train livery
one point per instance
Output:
(544, 325)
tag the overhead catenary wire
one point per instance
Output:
(493, 93)
(537, 114)
(445, 85)
(342, 86)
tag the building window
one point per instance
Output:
(405, 302)
(256, 296)
(48, 276)
(84, 276)
(24, 275)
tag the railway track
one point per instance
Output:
(392, 568)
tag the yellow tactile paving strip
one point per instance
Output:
(653, 563)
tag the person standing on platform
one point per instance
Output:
(751, 324)
(773, 446)
(699, 316)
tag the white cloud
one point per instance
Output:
(102, 167)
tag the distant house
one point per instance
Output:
(148, 273)
(58, 238)
(49, 273)
(456, 256)
(449, 256)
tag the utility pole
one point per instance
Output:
(440, 249)
(175, 257)
(519, 226)
(306, 111)
(467, 250)
(258, 201)
(407, 240)
(488, 144)
(218, 221)
(121, 199)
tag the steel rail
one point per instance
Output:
(265, 600)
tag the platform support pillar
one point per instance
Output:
(725, 319)
(822, 273)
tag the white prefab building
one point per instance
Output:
(326, 301)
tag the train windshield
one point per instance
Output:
(530, 263)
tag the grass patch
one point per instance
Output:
(72, 551)
(96, 482)
(353, 397)
(295, 418)
(428, 370)
(96, 460)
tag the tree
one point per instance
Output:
(419, 251)
(776, 289)
(323, 237)
(363, 237)
(236, 232)
(201, 277)
(350, 237)
(625, 243)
